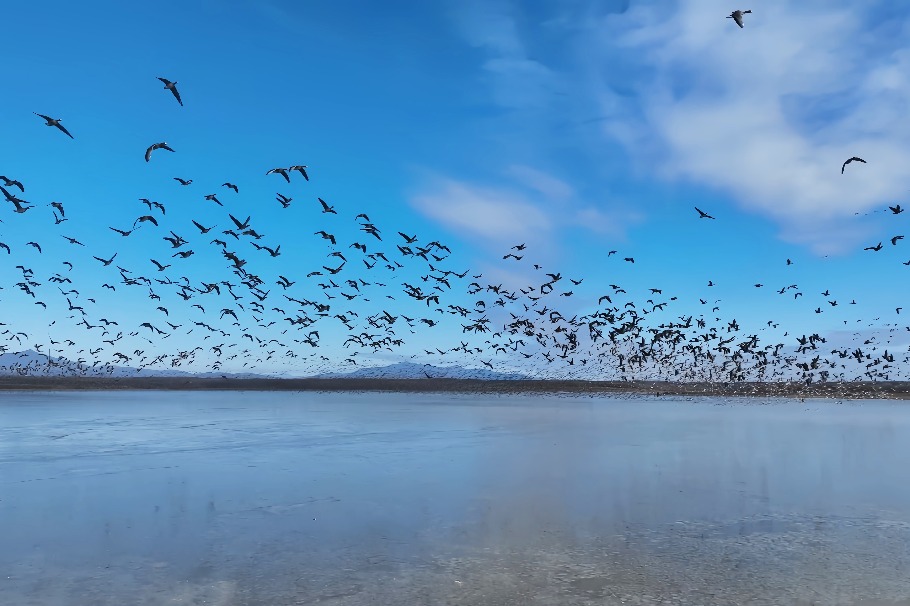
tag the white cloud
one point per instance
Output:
(496, 215)
(768, 113)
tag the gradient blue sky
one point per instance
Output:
(578, 126)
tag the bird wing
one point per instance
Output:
(176, 95)
(738, 18)
(148, 153)
(47, 118)
(63, 128)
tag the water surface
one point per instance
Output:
(254, 498)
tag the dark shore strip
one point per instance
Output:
(850, 390)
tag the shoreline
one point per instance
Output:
(850, 390)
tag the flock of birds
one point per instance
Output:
(374, 296)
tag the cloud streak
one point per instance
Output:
(766, 114)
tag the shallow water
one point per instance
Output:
(252, 498)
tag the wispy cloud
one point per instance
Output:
(766, 114)
(527, 205)
(493, 214)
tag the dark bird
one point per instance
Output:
(162, 145)
(12, 183)
(326, 236)
(702, 214)
(853, 159)
(145, 218)
(54, 122)
(231, 186)
(212, 198)
(172, 86)
(895, 239)
(240, 225)
(202, 228)
(326, 208)
(737, 16)
(894, 209)
(875, 248)
(300, 168)
(107, 262)
(183, 181)
(281, 171)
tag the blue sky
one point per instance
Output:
(578, 127)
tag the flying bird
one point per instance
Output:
(702, 214)
(162, 145)
(281, 171)
(172, 86)
(853, 159)
(54, 122)
(737, 16)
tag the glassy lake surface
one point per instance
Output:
(267, 499)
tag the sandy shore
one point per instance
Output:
(851, 390)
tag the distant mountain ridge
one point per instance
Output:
(34, 363)
(411, 370)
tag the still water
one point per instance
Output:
(271, 499)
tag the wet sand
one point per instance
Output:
(267, 499)
(899, 390)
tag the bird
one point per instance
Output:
(12, 183)
(702, 214)
(326, 208)
(737, 16)
(896, 210)
(183, 181)
(202, 228)
(281, 171)
(301, 168)
(172, 86)
(162, 145)
(231, 186)
(853, 159)
(54, 122)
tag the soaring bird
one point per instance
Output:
(162, 145)
(281, 171)
(183, 181)
(203, 228)
(326, 208)
(737, 16)
(896, 210)
(231, 186)
(172, 86)
(301, 168)
(12, 183)
(54, 122)
(702, 214)
(853, 159)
